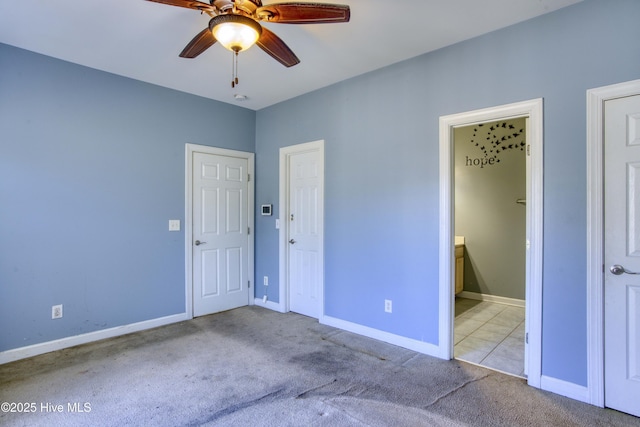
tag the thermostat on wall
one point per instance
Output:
(266, 209)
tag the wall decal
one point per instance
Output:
(492, 139)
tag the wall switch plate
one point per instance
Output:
(174, 225)
(265, 280)
(277, 224)
(388, 306)
(56, 311)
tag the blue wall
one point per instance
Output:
(91, 170)
(381, 148)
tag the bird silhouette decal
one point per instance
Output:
(498, 139)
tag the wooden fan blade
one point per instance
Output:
(189, 4)
(304, 13)
(201, 42)
(278, 50)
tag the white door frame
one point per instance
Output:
(595, 232)
(533, 111)
(188, 216)
(285, 153)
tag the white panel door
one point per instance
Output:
(622, 252)
(305, 222)
(220, 233)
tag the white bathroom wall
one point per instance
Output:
(490, 176)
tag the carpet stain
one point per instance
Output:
(324, 362)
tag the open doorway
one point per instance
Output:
(490, 244)
(531, 112)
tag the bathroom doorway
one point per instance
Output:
(490, 243)
(531, 112)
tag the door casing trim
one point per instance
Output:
(188, 216)
(595, 232)
(285, 153)
(533, 110)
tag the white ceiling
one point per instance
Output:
(141, 40)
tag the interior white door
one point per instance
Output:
(305, 231)
(622, 253)
(220, 233)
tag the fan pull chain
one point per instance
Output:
(234, 67)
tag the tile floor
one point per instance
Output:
(490, 334)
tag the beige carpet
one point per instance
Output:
(255, 367)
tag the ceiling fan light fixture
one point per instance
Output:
(235, 32)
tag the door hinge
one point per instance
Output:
(248, 283)
(528, 149)
(248, 177)
(526, 338)
(248, 230)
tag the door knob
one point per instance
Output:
(198, 243)
(618, 270)
(292, 241)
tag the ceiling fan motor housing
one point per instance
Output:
(247, 6)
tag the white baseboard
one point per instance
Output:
(411, 344)
(492, 298)
(269, 304)
(49, 346)
(564, 388)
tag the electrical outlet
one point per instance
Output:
(265, 280)
(56, 311)
(387, 306)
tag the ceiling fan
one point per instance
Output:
(235, 24)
